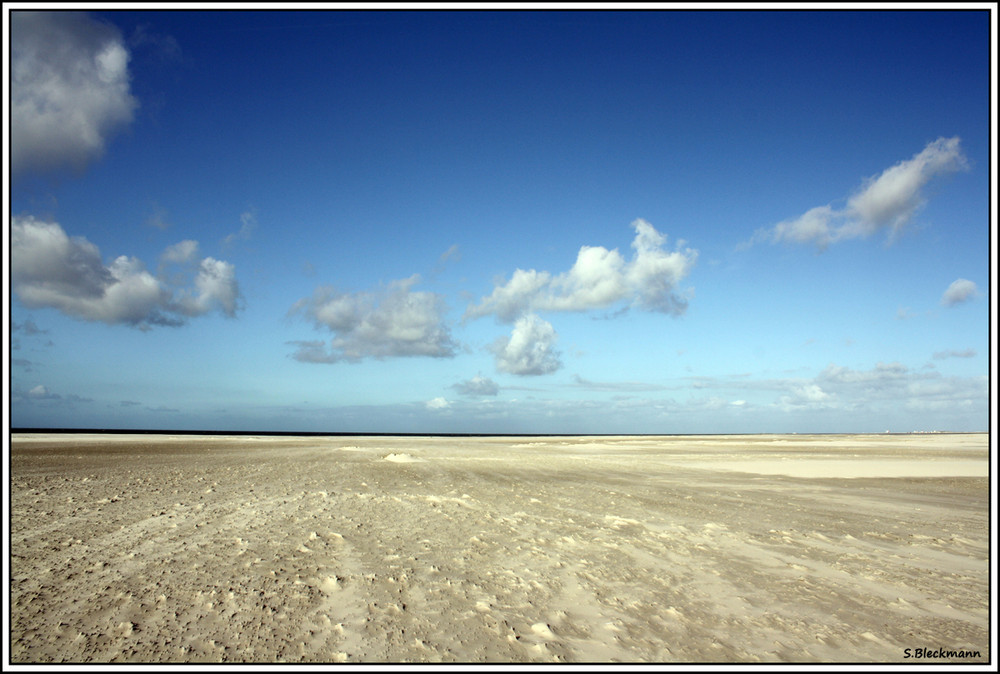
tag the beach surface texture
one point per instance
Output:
(388, 549)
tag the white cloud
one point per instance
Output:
(599, 278)
(654, 273)
(50, 269)
(40, 392)
(69, 89)
(595, 280)
(960, 290)
(513, 299)
(215, 286)
(530, 348)
(437, 404)
(888, 201)
(811, 227)
(477, 386)
(395, 322)
(891, 199)
(812, 393)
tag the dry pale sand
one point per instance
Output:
(729, 549)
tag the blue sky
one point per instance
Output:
(500, 222)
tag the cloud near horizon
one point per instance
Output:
(477, 386)
(50, 269)
(69, 89)
(393, 322)
(954, 353)
(886, 202)
(599, 278)
(842, 388)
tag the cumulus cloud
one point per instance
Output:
(884, 202)
(51, 269)
(437, 404)
(214, 287)
(599, 278)
(477, 386)
(396, 321)
(960, 290)
(530, 348)
(69, 89)
(41, 392)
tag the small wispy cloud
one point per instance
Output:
(885, 202)
(618, 386)
(453, 253)
(960, 290)
(477, 386)
(180, 253)
(28, 328)
(158, 218)
(248, 223)
(165, 47)
(952, 353)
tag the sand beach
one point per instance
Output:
(596, 549)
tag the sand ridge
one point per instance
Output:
(154, 549)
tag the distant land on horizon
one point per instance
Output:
(143, 431)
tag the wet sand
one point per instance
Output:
(630, 549)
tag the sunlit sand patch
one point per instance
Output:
(853, 468)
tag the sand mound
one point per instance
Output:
(401, 458)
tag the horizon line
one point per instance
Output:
(150, 431)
